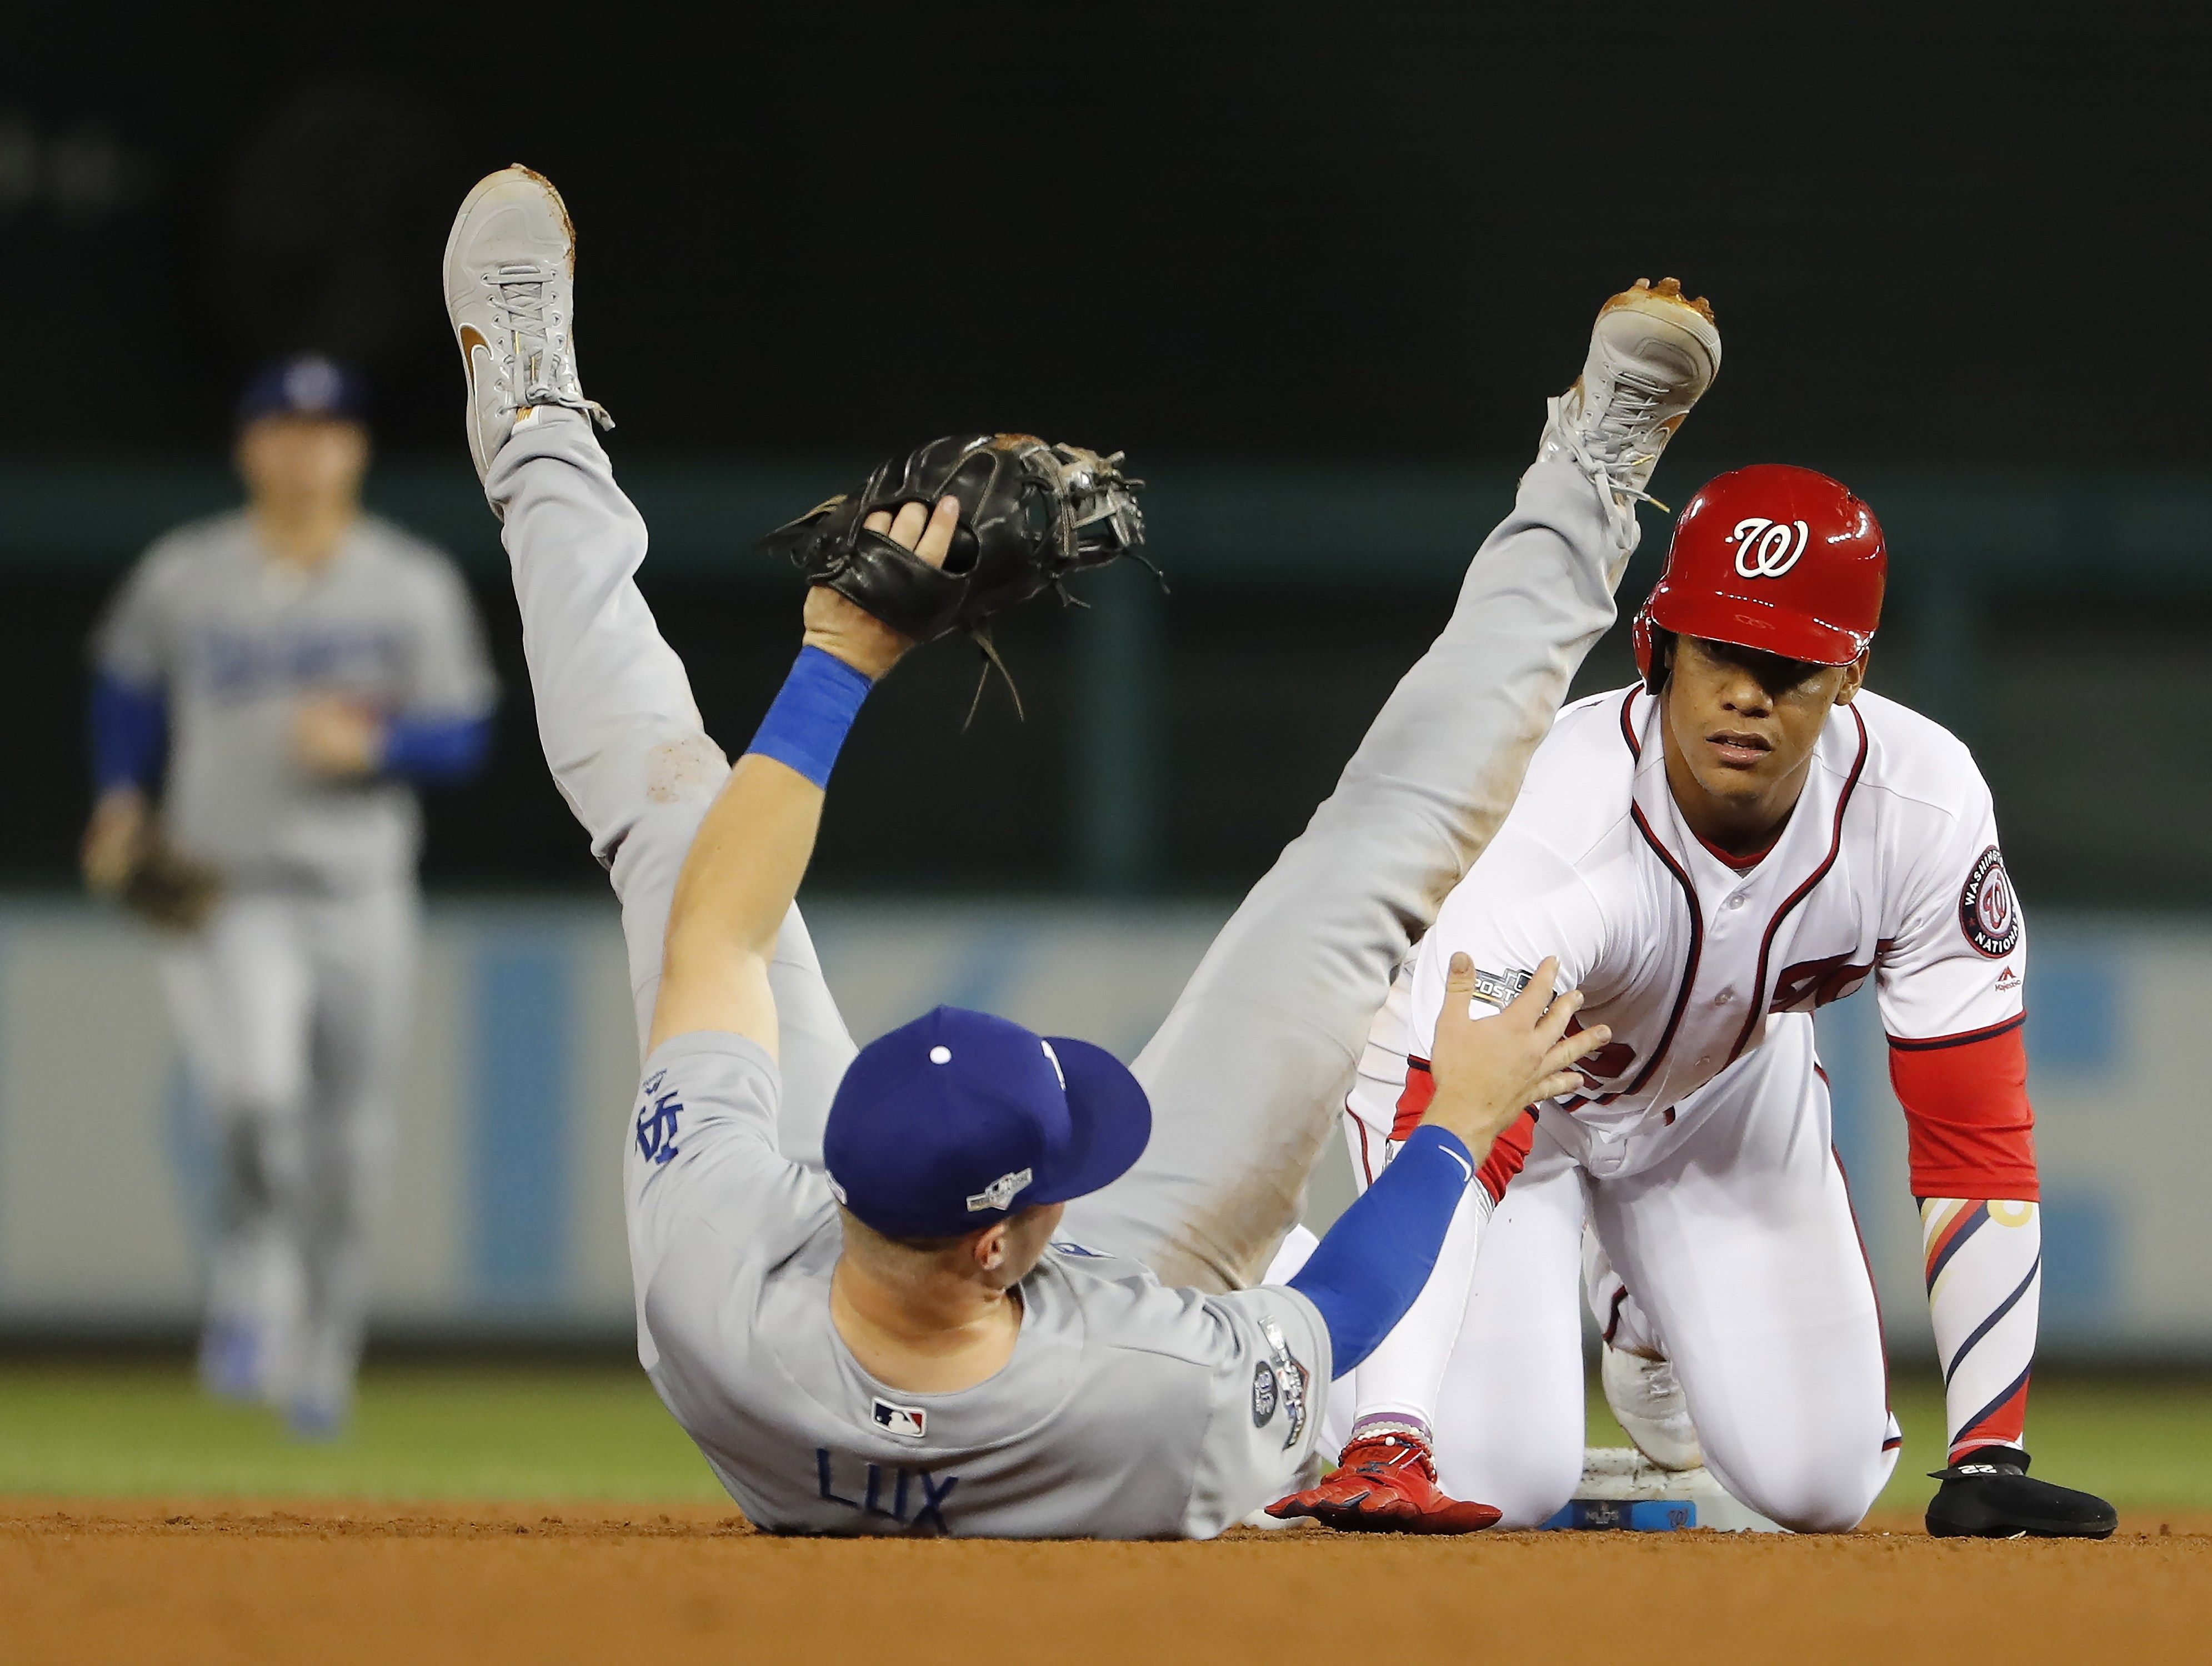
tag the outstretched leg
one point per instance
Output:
(615, 716)
(1251, 1067)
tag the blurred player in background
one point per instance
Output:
(281, 678)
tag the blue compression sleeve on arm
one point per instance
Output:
(436, 748)
(812, 714)
(1376, 1259)
(130, 733)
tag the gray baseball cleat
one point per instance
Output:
(1648, 1402)
(510, 291)
(1653, 353)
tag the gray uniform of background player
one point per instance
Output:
(292, 1003)
(1130, 1407)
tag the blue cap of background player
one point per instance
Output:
(957, 1120)
(305, 385)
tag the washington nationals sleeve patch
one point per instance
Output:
(1989, 913)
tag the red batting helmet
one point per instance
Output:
(1774, 558)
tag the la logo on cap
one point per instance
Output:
(313, 384)
(999, 1194)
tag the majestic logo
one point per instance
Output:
(1265, 1398)
(999, 1194)
(1989, 913)
(1499, 988)
(1765, 550)
(907, 1422)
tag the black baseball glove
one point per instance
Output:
(1030, 515)
(1989, 1494)
(171, 890)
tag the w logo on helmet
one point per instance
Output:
(1764, 549)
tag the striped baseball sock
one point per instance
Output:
(1985, 1265)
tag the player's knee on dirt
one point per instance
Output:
(1816, 1483)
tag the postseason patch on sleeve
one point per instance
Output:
(1499, 988)
(1285, 1384)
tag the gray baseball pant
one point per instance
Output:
(292, 1009)
(1249, 1070)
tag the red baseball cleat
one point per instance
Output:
(1386, 1483)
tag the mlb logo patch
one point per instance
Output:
(907, 1422)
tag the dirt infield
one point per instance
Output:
(231, 1581)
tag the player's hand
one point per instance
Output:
(840, 628)
(114, 840)
(1488, 1070)
(336, 736)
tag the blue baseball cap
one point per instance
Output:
(954, 1121)
(305, 385)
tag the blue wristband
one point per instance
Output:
(130, 733)
(435, 749)
(812, 714)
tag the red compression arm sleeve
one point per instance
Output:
(1971, 1130)
(1507, 1153)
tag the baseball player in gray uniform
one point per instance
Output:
(903, 1339)
(282, 677)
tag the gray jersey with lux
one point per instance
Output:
(234, 639)
(1129, 1410)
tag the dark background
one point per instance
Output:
(1966, 241)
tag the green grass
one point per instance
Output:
(2145, 1443)
(534, 1431)
(422, 1431)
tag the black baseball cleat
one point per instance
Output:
(1989, 1495)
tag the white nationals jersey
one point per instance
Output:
(1887, 868)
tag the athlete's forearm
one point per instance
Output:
(1983, 1259)
(1377, 1259)
(744, 868)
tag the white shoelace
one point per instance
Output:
(519, 294)
(1603, 453)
